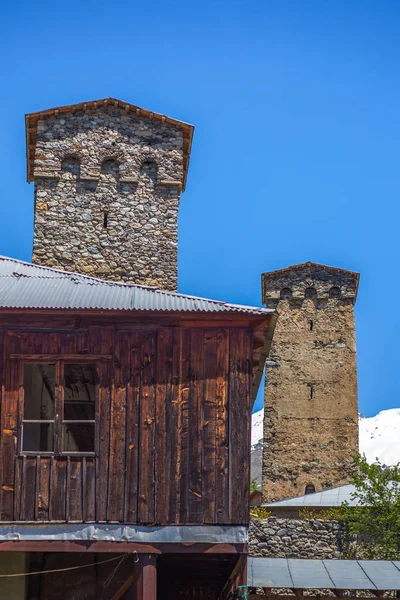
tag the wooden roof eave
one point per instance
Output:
(186, 318)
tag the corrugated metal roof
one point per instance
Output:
(24, 285)
(333, 497)
(323, 574)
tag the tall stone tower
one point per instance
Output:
(311, 408)
(108, 177)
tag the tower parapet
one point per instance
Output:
(309, 281)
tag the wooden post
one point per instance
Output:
(145, 577)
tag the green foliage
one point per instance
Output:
(375, 522)
(253, 485)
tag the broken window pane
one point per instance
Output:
(79, 392)
(37, 437)
(39, 386)
(78, 437)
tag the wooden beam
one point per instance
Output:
(67, 357)
(123, 589)
(145, 578)
(238, 577)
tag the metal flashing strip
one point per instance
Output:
(177, 534)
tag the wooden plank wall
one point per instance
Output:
(173, 429)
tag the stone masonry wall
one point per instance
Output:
(311, 408)
(290, 537)
(107, 188)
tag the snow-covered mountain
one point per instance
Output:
(379, 435)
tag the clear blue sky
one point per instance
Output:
(297, 143)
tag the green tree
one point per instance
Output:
(374, 523)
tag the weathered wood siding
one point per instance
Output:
(172, 424)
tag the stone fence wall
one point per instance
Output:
(295, 537)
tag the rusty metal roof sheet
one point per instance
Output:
(25, 285)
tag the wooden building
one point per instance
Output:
(125, 437)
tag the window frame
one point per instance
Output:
(58, 419)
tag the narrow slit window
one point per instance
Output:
(311, 324)
(105, 220)
(311, 396)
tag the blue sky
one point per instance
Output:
(297, 143)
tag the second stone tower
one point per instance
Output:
(311, 409)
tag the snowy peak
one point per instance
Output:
(379, 435)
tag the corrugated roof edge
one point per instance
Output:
(86, 279)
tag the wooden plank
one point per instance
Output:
(102, 339)
(163, 458)
(58, 408)
(18, 462)
(58, 490)
(22, 490)
(103, 443)
(119, 394)
(173, 448)
(18, 487)
(28, 498)
(40, 357)
(147, 432)
(9, 430)
(123, 589)
(209, 425)
(239, 425)
(81, 342)
(145, 578)
(196, 396)
(132, 431)
(67, 490)
(222, 429)
(89, 490)
(43, 489)
(183, 427)
(75, 490)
